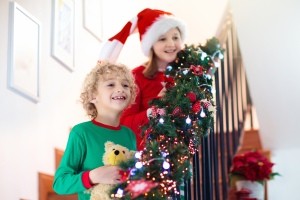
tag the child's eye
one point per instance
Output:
(161, 39)
(125, 85)
(110, 84)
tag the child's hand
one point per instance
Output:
(105, 175)
(162, 92)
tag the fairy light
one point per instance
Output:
(133, 171)
(203, 55)
(138, 155)
(202, 114)
(188, 120)
(221, 56)
(166, 165)
(208, 76)
(164, 154)
(185, 71)
(138, 165)
(119, 193)
(169, 68)
(161, 120)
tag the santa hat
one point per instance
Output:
(150, 24)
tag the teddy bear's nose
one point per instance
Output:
(117, 152)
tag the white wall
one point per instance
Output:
(269, 39)
(29, 132)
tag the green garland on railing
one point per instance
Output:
(179, 120)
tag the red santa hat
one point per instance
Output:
(150, 24)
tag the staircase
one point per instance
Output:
(46, 180)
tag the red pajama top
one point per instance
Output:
(136, 115)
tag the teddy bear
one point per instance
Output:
(113, 155)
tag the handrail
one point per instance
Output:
(211, 165)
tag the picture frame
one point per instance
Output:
(92, 9)
(23, 53)
(63, 18)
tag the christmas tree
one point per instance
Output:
(179, 120)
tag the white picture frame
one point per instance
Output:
(24, 53)
(92, 17)
(63, 17)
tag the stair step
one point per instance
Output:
(250, 141)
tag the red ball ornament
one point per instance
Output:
(191, 96)
(196, 107)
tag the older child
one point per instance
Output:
(108, 89)
(162, 37)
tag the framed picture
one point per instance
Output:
(92, 17)
(24, 53)
(63, 32)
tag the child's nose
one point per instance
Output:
(170, 42)
(119, 89)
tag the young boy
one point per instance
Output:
(108, 89)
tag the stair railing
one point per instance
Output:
(211, 165)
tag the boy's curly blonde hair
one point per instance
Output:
(100, 73)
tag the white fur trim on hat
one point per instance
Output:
(161, 25)
(111, 50)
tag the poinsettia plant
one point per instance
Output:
(252, 166)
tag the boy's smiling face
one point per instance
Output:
(113, 94)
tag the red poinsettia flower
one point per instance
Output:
(197, 70)
(252, 166)
(191, 96)
(139, 187)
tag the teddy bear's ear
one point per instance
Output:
(131, 154)
(108, 144)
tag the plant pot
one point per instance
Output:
(256, 189)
